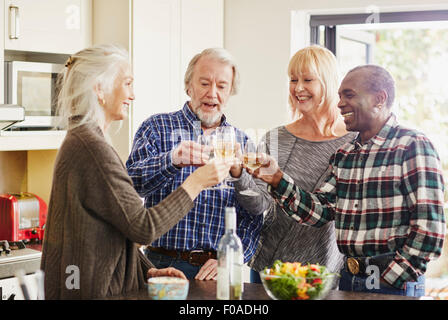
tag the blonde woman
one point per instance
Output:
(96, 218)
(304, 147)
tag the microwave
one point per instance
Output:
(33, 85)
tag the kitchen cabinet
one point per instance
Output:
(2, 53)
(41, 30)
(27, 171)
(53, 26)
(166, 35)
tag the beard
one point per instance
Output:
(208, 119)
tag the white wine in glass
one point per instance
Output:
(225, 147)
(252, 159)
(225, 150)
(207, 141)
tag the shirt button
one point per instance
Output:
(352, 228)
(356, 205)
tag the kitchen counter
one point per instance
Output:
(206, 290)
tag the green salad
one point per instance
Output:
(294, 281)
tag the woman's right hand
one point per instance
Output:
(208, 175)
(213, 172)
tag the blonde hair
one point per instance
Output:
(219, 54)
(321, 62)
(86, 70)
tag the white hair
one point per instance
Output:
(85, 72)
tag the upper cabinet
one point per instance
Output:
(166, 34)
(62, 26)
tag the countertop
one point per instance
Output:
(206, 290)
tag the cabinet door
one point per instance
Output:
(56, 26)
(166, 34)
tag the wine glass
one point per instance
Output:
(251, 158)
(225, 148)
(208, 142)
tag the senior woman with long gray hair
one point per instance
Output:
(96, 219)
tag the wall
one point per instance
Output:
(258, 34)
(13, 178)
(111, 24)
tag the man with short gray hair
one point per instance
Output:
(165, 152)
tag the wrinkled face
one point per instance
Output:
(209, 90)
(305, 92)
(119, 100)
(357, 104)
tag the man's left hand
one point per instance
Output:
(165, 272)
(209, 270)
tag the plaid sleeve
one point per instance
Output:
(149, 169)
(423, 187)
(314, 209)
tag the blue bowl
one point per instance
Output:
(167, 288)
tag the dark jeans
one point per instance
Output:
(254, 276)
(349, 282)
(163, 261)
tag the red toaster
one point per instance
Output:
(22, 217)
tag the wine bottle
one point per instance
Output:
(230, 261)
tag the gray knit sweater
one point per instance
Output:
(282, 237)
(96, 219)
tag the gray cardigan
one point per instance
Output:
(96, 219)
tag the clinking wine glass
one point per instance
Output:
(208, 141)
(225, 148)
(252, 159)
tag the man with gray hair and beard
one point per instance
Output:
(165, 153)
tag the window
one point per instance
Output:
(413, 47)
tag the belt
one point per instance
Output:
(193, 257)
(358, 265)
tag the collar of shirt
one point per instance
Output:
(380, 137)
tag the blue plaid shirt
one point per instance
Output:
(155, 177)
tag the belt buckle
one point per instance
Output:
(191, 255)
(353, 265)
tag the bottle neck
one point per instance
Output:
(230, 220)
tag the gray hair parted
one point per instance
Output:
(84, 72)
(221, 55)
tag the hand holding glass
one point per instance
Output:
(252, 156)
(207, 141)
(225, 148)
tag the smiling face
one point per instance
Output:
(209, 89)
(119, 100)
(360, 107)
(305, 92)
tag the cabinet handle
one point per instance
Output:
(14, 22)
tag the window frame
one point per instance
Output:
(331, 21)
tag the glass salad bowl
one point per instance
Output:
(294, 281)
